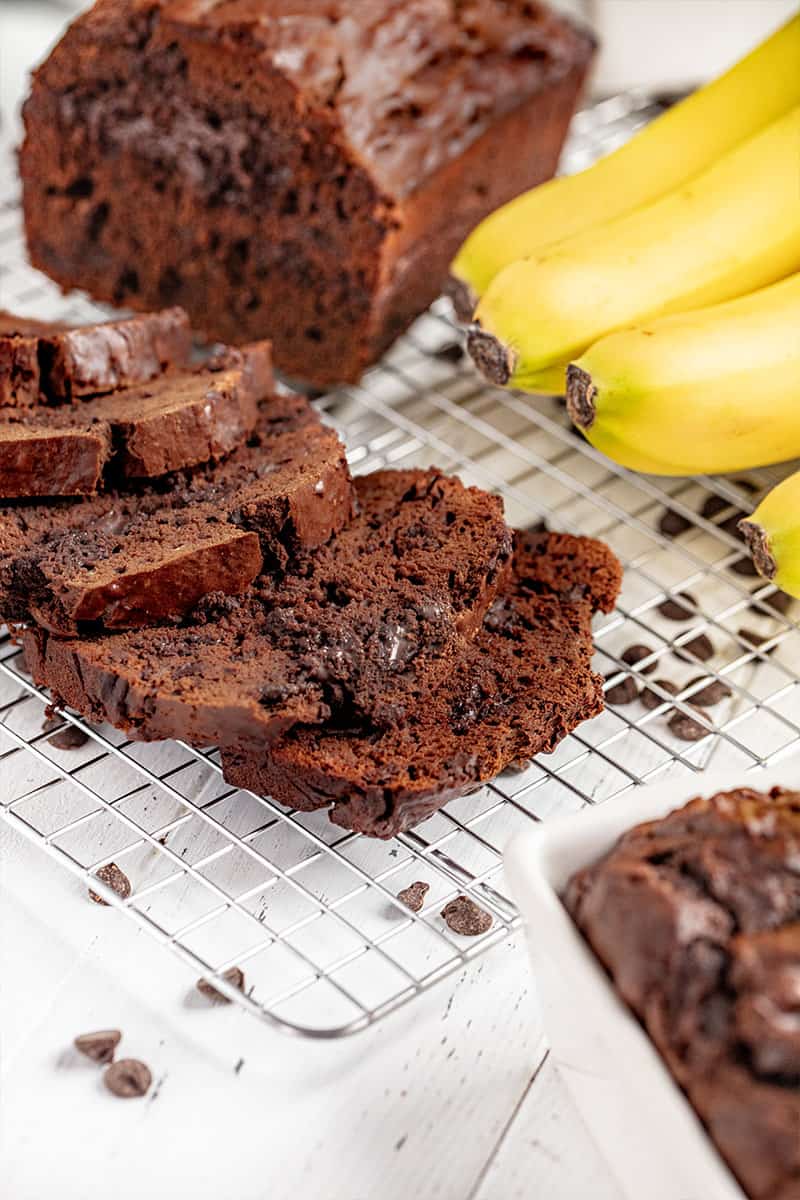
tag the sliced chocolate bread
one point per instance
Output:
(414, 571)
(179, 420)
(49, 362)
(513, 691)
(143, 557)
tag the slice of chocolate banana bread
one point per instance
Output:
(303, 171)
(143, 557)
(405, 580)
(179, 420)
(513, 691)
(696, 917)
(49, 362)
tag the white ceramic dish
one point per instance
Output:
(641, 1121)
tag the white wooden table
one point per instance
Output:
(451, 1098)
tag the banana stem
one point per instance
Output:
(462, 297)
(492, 358)
(580, 397)
(757, 542)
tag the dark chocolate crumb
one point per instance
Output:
(756, 640)
(686, 728)
(234, 975)
(451, 352)
(112, 877)
(672, 524)
(128, 1078)
(673, 610)
(624, 692)
(714, 691)
(465, 917)
(99, 1046)
(68, 738)
(635, 654)
(651, 699)
(414, 895)
(697, 649)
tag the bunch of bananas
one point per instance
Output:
(661, 289)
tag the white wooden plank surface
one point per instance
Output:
(447, 1100)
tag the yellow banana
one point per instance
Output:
(772, 534)
(732, 229)
(707, 391)
(678, 145)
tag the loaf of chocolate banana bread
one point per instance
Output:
(696, 917)
(303, 172)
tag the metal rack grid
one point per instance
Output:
(309, 912)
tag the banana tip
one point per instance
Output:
(580, 397)
(493, 359)
(462, 297)
(757, 542)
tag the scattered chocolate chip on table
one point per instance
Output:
(714, 691)
(233, 975)
(414, 895)
(624, 692)
(686, 728)
(112, 877)
(672, 524)
(651, 699)
(128, 1078)
(464, 916)
(674, 610)
(68, 738)
(99, 1046)
(697, 649)
(635, 654)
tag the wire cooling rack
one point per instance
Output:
(310, 913)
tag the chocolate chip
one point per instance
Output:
(634, 654)
(714, 691)
(451, 352)
(756, 640)
(712, 506)
(68, 738)
(112, 877)
(234, 975)
(686, 728)
(743, 566)
(100, 1046)
(697, 649)
(623, 692)
(673, 610)
(778, 601)
(465, 917)
(414, 895)
(651, 699)
(127, 1078)
(672, 524)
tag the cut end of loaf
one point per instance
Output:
(581, 393)
(492, 358)
(757, 542)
